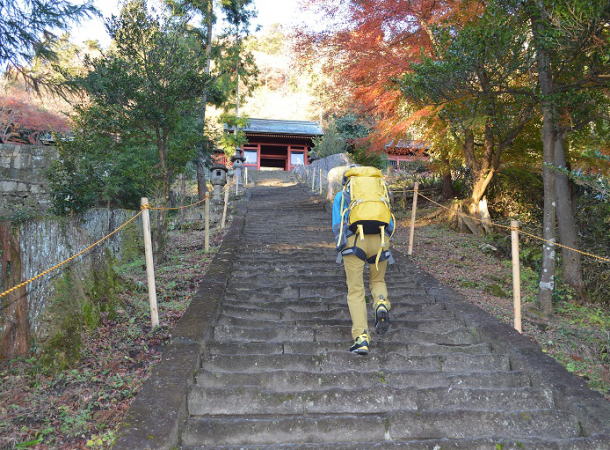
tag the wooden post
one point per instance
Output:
(320, 182)
(183, 189)
(224, 210)
(313, 180)
(150, 265)
(413, 217)
(207, 223)
(516, 274)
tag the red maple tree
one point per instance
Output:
(370, 43)
(23, 121)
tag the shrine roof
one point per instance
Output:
(406, 147)
(284, 127)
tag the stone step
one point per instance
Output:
(287, 276)
(224, 333)
(287, 298)
(299, 290)
(431, 326)
(299, 306)
(266, 348)
(401, 425)
(598, 442)
(396, 334)
(293, 268)
(290, 271)
(280, 380)
(245, 312)
(341, 361)
(257, 253)
(271, 263)
(274, 260)
(251, 400)
(303, 307)
(297, 240)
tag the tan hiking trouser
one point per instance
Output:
(354, 274)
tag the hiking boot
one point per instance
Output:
(382, 317)
(361, 345)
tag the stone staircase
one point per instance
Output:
(277, 374)
(270, 177)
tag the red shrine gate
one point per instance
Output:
(279, 144)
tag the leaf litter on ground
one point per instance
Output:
(81, 407)
(577, 336)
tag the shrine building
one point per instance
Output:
(279, 144)
(406, 150)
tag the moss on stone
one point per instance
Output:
(76, 308)
(132, 245)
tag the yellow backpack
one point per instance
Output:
(366, 204)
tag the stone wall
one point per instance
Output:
(23, 182)
(31, 247)
(330, 162)
(332, 167)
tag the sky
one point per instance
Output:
(269, 12)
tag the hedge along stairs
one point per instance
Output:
(275, 370)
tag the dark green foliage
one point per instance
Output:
(94, 170)
(515, 193)
(347, 133)
(331, 143)
(593, 216)
(29, 28)
(355, 129)
(362, 156)
(352, 126)
(140, 127)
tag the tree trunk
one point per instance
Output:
(160, 228)
(202, 188)
(571, 262)
(447, 189)
(477, 205)
(545, 79)
(15, 339)
(547, 276)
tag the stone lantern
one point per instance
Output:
(218, 178)
(238, 160)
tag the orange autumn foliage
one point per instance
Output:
(368, 44)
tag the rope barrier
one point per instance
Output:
(533, 236)
(161, 208)
(71, 258)
(95, 244)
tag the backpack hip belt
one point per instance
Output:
(385, 255)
